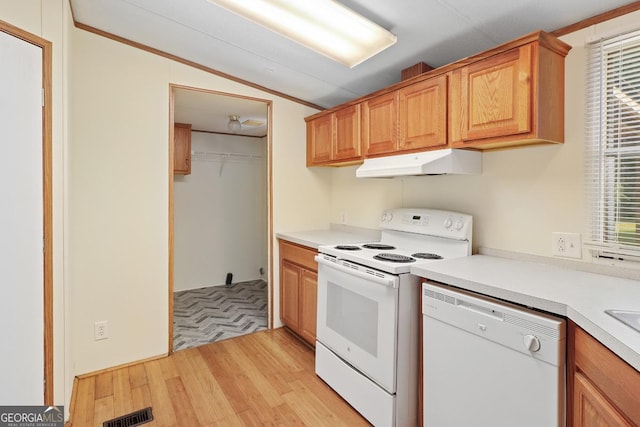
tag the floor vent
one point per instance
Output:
(133, 419)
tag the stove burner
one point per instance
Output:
(379, 246)
(348, 248)
(426, 255)
(393, 258)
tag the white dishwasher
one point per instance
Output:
(490, 363)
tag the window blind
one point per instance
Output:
(613, 147)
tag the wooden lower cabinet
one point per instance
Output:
(289, 293)
(308, 299)
(591, 408)
(298, 289)
(603, 390)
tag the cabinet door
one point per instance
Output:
(591, 409)
(308, 303)
(601, 379)
(496, 93)
(347, 133)
(182, 149)
(289, 284)
(423, 114)
(380, 124)
(319, 140)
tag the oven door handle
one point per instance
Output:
(388, 281)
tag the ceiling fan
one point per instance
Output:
(235, 125)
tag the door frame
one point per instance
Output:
(269, 212)
(47, 220)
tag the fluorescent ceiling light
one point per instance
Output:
(324, 26)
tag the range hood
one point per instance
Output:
(437, 162)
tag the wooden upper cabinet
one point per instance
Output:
(423, 114)
(334, 138)
(512, 98)
(508, 96)
(380, 124)
(498, 95)
(181, 149)
(319, 140)
(412, 118)
(347, 134)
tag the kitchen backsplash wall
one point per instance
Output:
(519, 199)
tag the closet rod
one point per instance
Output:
(219, 154)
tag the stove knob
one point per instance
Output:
(448, 223)
(459, 225)
(531, 343)
(389, 216)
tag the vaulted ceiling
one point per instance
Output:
(436, 32)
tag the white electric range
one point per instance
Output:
(369, 310)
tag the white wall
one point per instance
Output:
(220, 213)
(522, 195)
(119, 193)
(51, 20)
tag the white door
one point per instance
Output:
(21, 224)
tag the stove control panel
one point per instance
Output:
(454, 223)
(387, 216)
(433, 222)
(421, 220)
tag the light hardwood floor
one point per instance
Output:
(263, 379)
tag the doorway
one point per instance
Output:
(26, 300)
(219, 217)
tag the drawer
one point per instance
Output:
(298, 254)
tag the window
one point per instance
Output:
(613, 147)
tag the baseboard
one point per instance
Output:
(115, 368)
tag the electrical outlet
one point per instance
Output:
(101, 330)
(568, 245)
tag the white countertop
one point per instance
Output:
(335, 234)
(580, 296)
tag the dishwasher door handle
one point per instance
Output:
(483, 311)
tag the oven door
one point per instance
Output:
(357, 318)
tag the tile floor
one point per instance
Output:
(206, 315)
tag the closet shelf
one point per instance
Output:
(214, 155)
